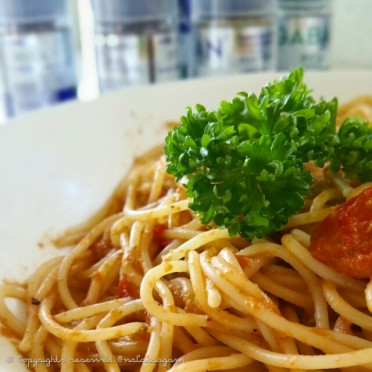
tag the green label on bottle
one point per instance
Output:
(303, 41)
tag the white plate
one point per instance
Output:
(59, 165)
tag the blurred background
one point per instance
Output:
(56, 51)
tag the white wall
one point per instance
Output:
(351, 34)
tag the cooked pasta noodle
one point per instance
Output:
(147, 287)
(360, 106)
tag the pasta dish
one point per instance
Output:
(150, 286)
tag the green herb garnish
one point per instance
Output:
(244, 162)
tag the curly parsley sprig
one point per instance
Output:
(353, 152)
(244, 162)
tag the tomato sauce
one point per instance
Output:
(126, 288)
(316, 172)
(344, 239)
(159, 236)
(243, 261)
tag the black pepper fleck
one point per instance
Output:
(35, 301)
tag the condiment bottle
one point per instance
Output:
(233, 36)
(136, 42)
(37, 51)
(304, 34)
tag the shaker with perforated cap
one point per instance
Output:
(233, 36)
(38, 54)
(136, 42)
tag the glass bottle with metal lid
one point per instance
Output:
(37, 51)
(136, 42)
(304, 34)
(233, 36)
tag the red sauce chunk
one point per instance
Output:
(243, 261)
(126, 288)
(315, 171)
(159, 235)
(344, 239)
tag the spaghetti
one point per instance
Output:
(148, 287)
